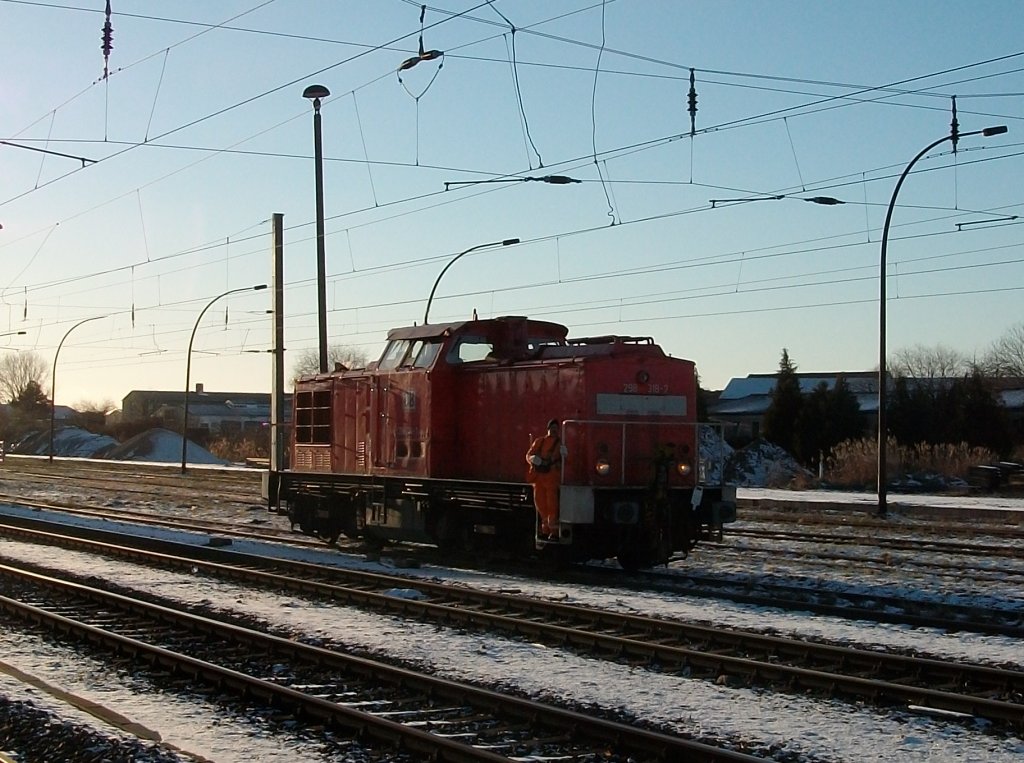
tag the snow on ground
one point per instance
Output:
(895, 501)
(824, 730)
(193, 726)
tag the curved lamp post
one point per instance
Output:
(315, 93)
(505, 242)
(954, 136)
(188, 365)
(53, 378)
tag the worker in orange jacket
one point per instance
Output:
(545, 460)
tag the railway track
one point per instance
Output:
(384, 706)
(711, 653)
(879, 605)
(857, 520)
(161, 519)
(234, 486)
(154, 473)
(927, 545)
(977, 569)
(876, 606)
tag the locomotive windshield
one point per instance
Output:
(423, 353)
(393, 354)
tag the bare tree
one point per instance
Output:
(1006, 355)
(308, 361)
(938, 362)
(95, 406)
(18, 370)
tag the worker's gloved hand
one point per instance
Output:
(564, 451)
(536, 460)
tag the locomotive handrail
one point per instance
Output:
(611, 339)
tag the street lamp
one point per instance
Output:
(53, 378)
(954, 136)
(315, 93)
(188, 365)
(506, 242)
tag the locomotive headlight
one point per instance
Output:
(684, 468)
(602, 467)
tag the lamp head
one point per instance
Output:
(315, 93)
(988, 132)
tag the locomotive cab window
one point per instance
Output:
(313, 417)
(470, 349)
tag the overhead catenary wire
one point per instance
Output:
(709, 262)
(370, 271)
(671, 138)
(347, 229)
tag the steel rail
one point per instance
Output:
(858, 606)
(626, 739)
(900, 544)
(671, 644)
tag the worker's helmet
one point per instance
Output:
(553, 423)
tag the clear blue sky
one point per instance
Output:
(199, 135)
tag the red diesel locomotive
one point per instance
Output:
(428, 444)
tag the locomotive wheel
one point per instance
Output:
(301, 514)
(632, 549)
(372, 544)
(331, 535)
(555, 557)
(631, 560)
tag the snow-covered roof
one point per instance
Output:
(752, 405)
(751, 396)
(764, 384)
(1012, 398)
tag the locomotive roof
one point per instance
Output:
(536, 329)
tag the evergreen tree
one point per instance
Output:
(844, 414)
(781, 417)
(971, 414)
(939, 411)
(32, 401)
(911, 413)
(812, 435)
(827, 418)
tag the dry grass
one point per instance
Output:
(854, 463)
(236, 449)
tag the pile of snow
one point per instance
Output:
(159, 445)
(760, 464)
(763, 464)
(163, 446)
(715, 453)
(67, 441)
